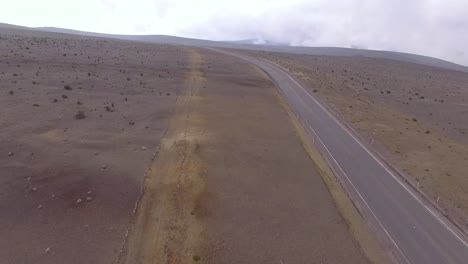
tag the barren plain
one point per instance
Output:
(123, 152)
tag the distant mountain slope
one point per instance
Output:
(248, 45)
(5, 25)
(399, 56)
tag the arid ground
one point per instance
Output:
(123, 152)
(415, 116)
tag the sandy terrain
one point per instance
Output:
(52, 162)
(416, 116)
(88, 123)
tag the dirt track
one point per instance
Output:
(242, 188)
(224, 173)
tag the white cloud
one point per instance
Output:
(436, 28)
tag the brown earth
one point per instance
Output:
(415, 116)
(224, 174)
(50, 159)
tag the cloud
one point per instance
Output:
(437, 28)
(427, 27)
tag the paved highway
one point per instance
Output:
(418, 233)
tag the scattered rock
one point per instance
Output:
(47, 250)
(34, 189)
(11, 154)
(144, 148)
(39, 206)
(79, 201)
(53, 196)
(89, 198)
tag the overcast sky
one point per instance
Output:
(436, 28)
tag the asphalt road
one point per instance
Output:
(417, 231)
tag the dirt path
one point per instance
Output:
(233, 183)
(165, 229)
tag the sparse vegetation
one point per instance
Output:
(196, 258)
(80, 115)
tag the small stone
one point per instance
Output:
(103, 167)
(144, 148)
(53, 196)
(89, 198)
(47, 250)
(90, 192)
(39, 206)
(79, 200)
(11, 153)
(34, 189)
(96, 153)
